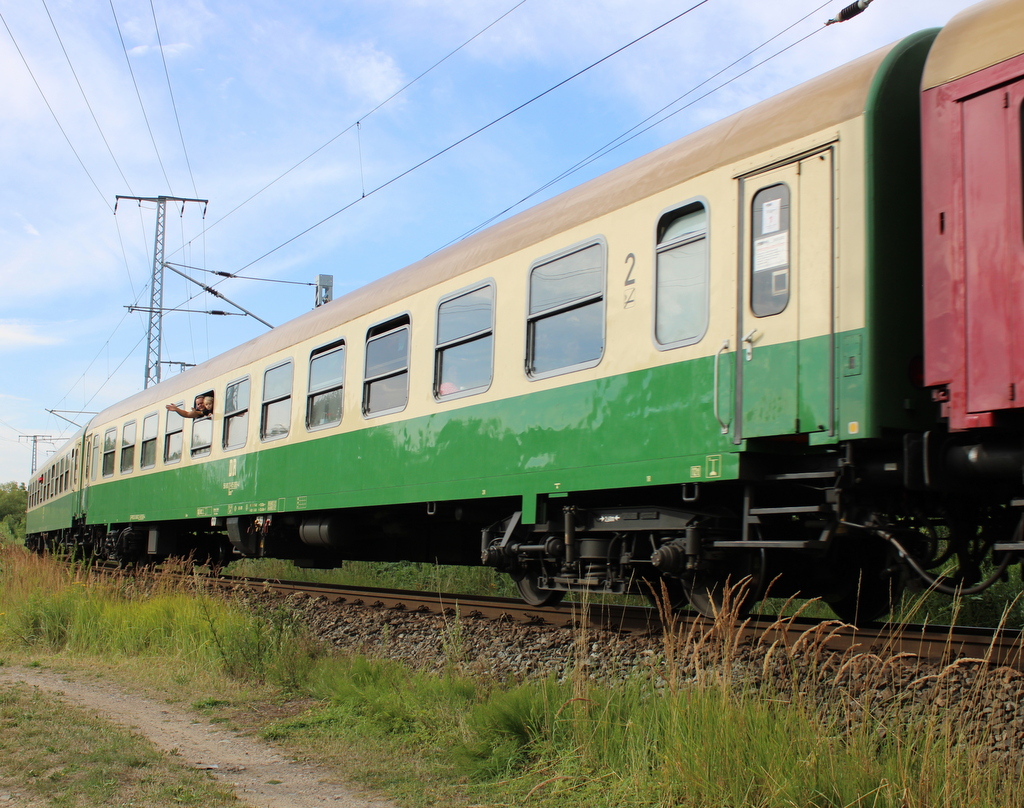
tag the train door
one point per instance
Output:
(785, 362)
(993, 248)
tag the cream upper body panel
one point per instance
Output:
(979, 37)
(815, 106)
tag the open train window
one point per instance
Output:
(770, 248)
(236, 414)
(464, 347)
(173, 437)
(128, 448)
(276, 414)
(326, 386)
(565, 324)
(147, 453)
(386, 375)
(109, 449)
(681, 284)
(202, 428)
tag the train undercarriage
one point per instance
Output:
(852, 527)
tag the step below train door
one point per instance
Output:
(785, 362)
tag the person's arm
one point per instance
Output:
(183, 413)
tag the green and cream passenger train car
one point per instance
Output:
(696, 368)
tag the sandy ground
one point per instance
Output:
(260, 774)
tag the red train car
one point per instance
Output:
(972, 104)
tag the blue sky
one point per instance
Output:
(260, 85)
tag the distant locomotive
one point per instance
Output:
(710, 365)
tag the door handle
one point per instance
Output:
(721, 423)
(748, 341)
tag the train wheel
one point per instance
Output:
(730, 586)
(534, 595)
(662, 591)
(871, 591)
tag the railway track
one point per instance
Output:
(932, 644)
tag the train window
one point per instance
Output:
(95, 456)
(109, 448)
(464, 349)
(202, 436)
(276, 416)
(769, 260)
(565, 327)
(681, 293)
(236, 414)
(326, 386)
(147, 458)
(173, 435)
(386, 378)
(128, 448)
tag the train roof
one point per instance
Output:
(976, 38)
(828, 100)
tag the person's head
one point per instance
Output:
(198, 403)
(208, 403)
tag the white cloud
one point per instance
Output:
(15, 335)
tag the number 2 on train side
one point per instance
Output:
(630, 293)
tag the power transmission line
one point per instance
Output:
(626, 136)
(138, 95)
(85, 98)
(170, 91)
(10, 33)
(362, 119)
(473, 134)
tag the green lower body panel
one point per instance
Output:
(56, 514)
(654, 427)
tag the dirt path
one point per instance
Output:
(259, 773)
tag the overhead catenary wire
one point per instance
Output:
(636, 130)
(361, 119)
(85, 98)
(476, 132)
(138, 95)
(170, 90)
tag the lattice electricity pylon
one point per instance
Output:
(154, 333)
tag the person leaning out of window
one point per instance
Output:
(202, 407)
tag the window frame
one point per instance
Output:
(336, 346)
(466, 339)
(112, 452)
(229, 416)
(265, 402)
(149, 442)
(756, 239)
(170, 433)
(665, 219)
(532, 319)
(376, 332)
(127, 450)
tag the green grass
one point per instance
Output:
(697, 730)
